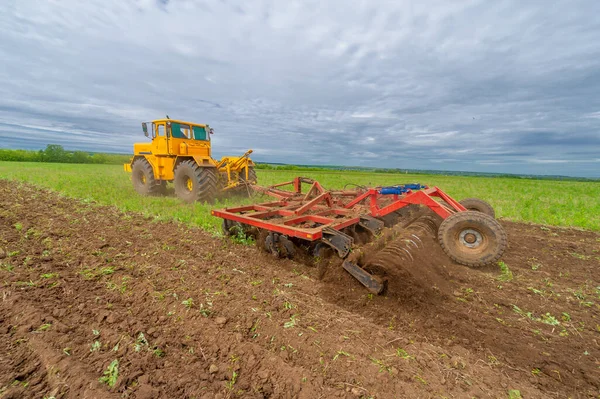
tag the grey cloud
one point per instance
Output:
(471, 85)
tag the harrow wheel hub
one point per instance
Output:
(470, 238)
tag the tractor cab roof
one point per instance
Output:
(178, 121)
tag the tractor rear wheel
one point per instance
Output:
(472, 238)
(478, 205)
(251, 175)
(195, 183)
(143, 179)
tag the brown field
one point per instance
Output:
(188, 315)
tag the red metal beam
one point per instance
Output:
(307, 218)
(306, 234)
(257, 207)
(274, 212)
(453, 203)
(361, 197)
(310, 204)
(418, 198)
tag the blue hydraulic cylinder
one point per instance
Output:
(400, 189)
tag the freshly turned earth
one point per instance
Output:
(190, 315)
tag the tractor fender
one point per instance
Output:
(202, 161)
(151, 160)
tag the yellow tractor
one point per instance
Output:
(180, 152)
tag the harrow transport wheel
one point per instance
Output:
(472, 238)
(143, 179)
(194, 183)
(478, 205)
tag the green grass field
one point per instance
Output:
(557, 203)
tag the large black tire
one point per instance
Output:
(143, 179)
(195, 183)
(252, 178)
(478, 205)
(472, 238)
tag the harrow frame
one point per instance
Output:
(319, 219)
(329, 209)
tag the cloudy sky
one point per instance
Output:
(489, 86)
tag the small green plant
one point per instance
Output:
(6, 266)
(204, 311)
(229, 384)
(291, 323)
(340, 353)
(241, 238)
(401, 353)
(29, 283)
(188, 303)
(518, 310)
(579, 294)
(44, 327)
(159, 352)
(534, 263)
(140, 342)
(549, 319)
(505, 273)
(536, 291)
(514, 394)
(580, 256)
(420, 379)
(382, 366)
(49, 275)
(18, 226)
(111, 374)
(96, 346)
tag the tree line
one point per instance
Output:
(56, 153)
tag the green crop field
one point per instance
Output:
(557, 203)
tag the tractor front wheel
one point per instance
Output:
(195, 183)
(143, 179)
(472, 238)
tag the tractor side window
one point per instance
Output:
(180, 131)
(200, 133)
(160, 130)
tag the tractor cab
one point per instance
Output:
(174, 137)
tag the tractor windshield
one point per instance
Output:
(201, 133)
(180, 131)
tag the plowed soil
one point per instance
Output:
(182, 314)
